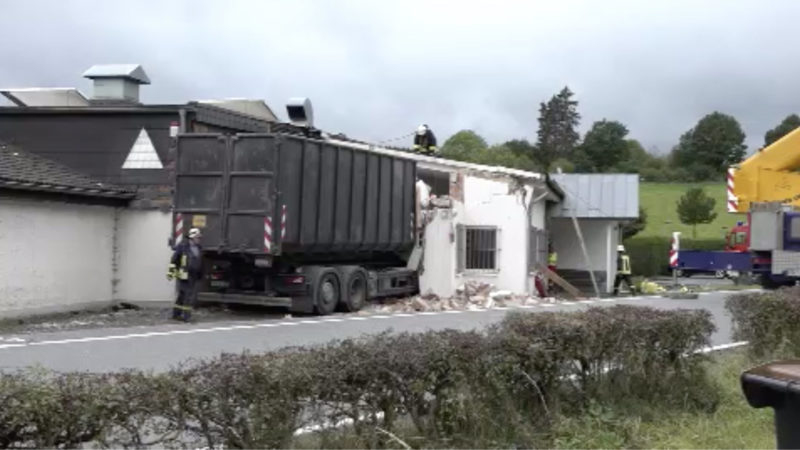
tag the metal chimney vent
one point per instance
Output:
(116, 83)
(300, 112)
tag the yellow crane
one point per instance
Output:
(769, 175)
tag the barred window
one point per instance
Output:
(478, 248)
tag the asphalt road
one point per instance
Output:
(161, 347)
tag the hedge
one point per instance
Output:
(650, 255)
(768, 321)
(501, 387)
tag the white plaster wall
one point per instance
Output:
(539, 214)
(54, 256)
(601, 238)
(143, 256)
(488, 203)
(439, 261)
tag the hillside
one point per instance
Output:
(660, 199)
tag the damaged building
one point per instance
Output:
(107, 190)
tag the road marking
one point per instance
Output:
(356, 318)
(333, 320)
(586, 302)
(569, 303)
(309, 321)
(608, 300)
(380, 317)
(548, 305)
(722, 347)
(403, 315)
(453, 311)
(531, 306)
(500, 308)
(428, 313)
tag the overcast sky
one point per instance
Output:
(376, 69)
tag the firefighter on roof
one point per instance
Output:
(424, 140)
(186, 266)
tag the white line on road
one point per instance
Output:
(380, 317)
(547, 305)
(356, 318)
(403, 315)
(586, 302)
(608, 300)
(569, 303)
(453, 311)
(723, 347)
(333, 320)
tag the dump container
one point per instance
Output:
(291, 196)
(777, 385)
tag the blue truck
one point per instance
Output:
(722, 264)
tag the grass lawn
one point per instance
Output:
(660, 200)
(733, 425)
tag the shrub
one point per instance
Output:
(440, 388)
(768, 321)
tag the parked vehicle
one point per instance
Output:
(296, 222)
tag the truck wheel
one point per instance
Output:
(354, 289)
(326, 292)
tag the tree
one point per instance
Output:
(695, 207)
(466, 145)
(556, 137)
(716, 142)
(631, 229)
(788, 125)
(603, 147)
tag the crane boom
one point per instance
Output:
(769, 175)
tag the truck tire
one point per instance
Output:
(354, 288)
(327, 291)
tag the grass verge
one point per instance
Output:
(733, 425)
(660, 202)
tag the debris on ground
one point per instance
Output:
(470, 296)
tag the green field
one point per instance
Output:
(660, 200)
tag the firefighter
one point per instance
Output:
(623, 271)
(552, 264)
(186, 266)
(424, 140)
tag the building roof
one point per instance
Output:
(45, 97)
(25, 171)
(133, 72)
(601, 196)
(434, 162)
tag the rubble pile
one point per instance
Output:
(469, 296)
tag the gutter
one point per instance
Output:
(554, 187)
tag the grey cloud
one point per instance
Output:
(376, 69)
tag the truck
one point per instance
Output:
(766, 187)
(731, 262)
(296, 221)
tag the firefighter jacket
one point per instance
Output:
(623, 264)
(552, 259)
(187, 258)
